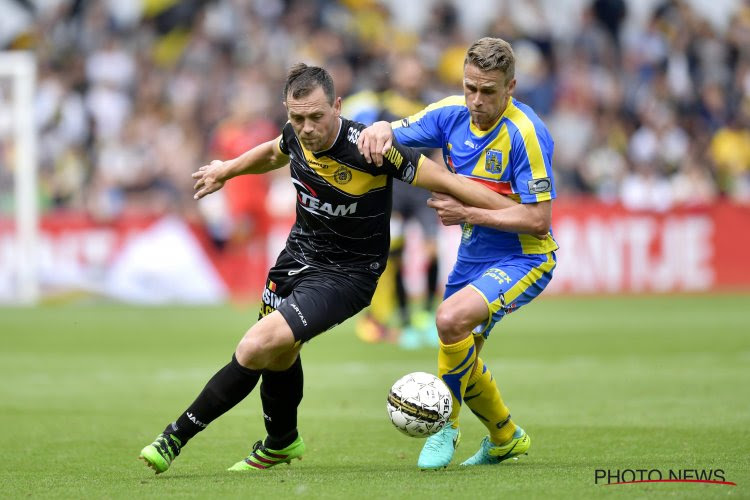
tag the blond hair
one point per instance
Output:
(490, 54)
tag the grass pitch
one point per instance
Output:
(598, 383)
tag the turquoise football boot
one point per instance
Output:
(438, 451)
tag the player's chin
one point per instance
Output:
(481, 119)
(308, 143)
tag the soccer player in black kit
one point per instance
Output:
(327, 272)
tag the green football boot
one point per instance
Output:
(264, 458)
(160, 454)
(490, 453)
(438, 451)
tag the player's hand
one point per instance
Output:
(449, 209)
(209, 179)
(375, 141)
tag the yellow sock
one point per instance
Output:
(454, 368)
(383, 302)
(483, 397)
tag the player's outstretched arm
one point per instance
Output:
(375, 141)
(528, 218)
(440, 180)
(260, 159)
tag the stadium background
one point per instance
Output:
(648, 101)
(649, 105)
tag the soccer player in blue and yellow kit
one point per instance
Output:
(506, 256)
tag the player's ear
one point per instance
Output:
(511, 86)
(337, 106)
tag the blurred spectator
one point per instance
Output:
(130, 97)
(244, 128)
(610, 14)
(730, 151)
(693, 185)
(644, 189)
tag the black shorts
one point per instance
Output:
(313, 300)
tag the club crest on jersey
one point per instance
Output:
(342, 175)
(493, 161)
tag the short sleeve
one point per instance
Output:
(402, 162)
(284, 140)
(425, 129)
(531, 163)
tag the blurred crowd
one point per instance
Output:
(648, 107)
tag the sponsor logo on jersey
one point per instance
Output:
(352, 135)
(394, 157)
(312, 162)
(405, 122)
(342, 175)
(543, 185)
(308, 199)
(408, 173)
(314, 205)
(467, 142)
(493, 161)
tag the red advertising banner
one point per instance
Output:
(603, 249)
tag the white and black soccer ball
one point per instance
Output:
(419, 404)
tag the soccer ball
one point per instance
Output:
(419, 404)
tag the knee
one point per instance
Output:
(450, 325)
(250, 351)
(257, 350)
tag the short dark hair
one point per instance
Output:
(490, 54)
(303, 79)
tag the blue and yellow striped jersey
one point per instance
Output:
(513, 158)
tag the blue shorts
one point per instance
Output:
(505, 284)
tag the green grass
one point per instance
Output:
(599, 383)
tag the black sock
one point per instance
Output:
(432, 279)
(227, 387)
(281, 394)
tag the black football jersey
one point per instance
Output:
(343, 202)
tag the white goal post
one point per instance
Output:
(20, 68)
